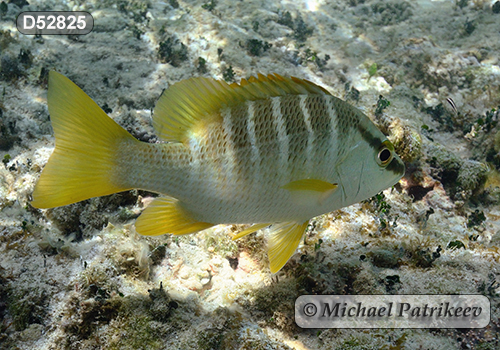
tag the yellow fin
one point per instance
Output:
(187, 102)
(310, 185)
(310, 191)
(251, 229)
(165, 215)
(283, 242)
(86, 142)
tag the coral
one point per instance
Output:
(472, 174)
(406, 140)
(461, 178)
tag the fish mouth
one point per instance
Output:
(396, 166)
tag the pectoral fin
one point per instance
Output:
(310, 191)
(249, 230)
(165, 215)
(283, 242)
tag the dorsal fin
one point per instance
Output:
(185, 103)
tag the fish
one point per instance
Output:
(270, 151)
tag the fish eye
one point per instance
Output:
(385, 153)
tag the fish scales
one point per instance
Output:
(225, 162)
(270, 151)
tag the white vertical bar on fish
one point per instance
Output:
(310, 132)
(255, 152)
(283, 140)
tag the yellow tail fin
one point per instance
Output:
(85, 154)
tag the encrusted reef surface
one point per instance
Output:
(80, 277)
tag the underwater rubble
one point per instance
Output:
(426, 72)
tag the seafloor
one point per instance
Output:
(80, 277)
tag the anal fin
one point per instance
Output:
(165, 215)
(283, 241)
(251, 229)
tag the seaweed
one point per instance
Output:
(442, 116)
(496, 7)
(202, 65)
(392, 12)
(255, 26)
(257, 47)
(161, 305)
(137, 9)
(25, 58)
(158, 254)
(27, 306)
(11, 68)
(352, 93)
(489, 288)
(422, 255)
(43, 78)
(312, 56)
(209, 6)
(6, 159)
(86, 315)
(300, 30)
(489, 121)
(476, 218)
(469, 27)
(392, 283)
(455, 245)
(285, 18)
(372, 70)
(382, 104)
(228, 74)
(3, 8)
(172, 51)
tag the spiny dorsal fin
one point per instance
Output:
(187, 102)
